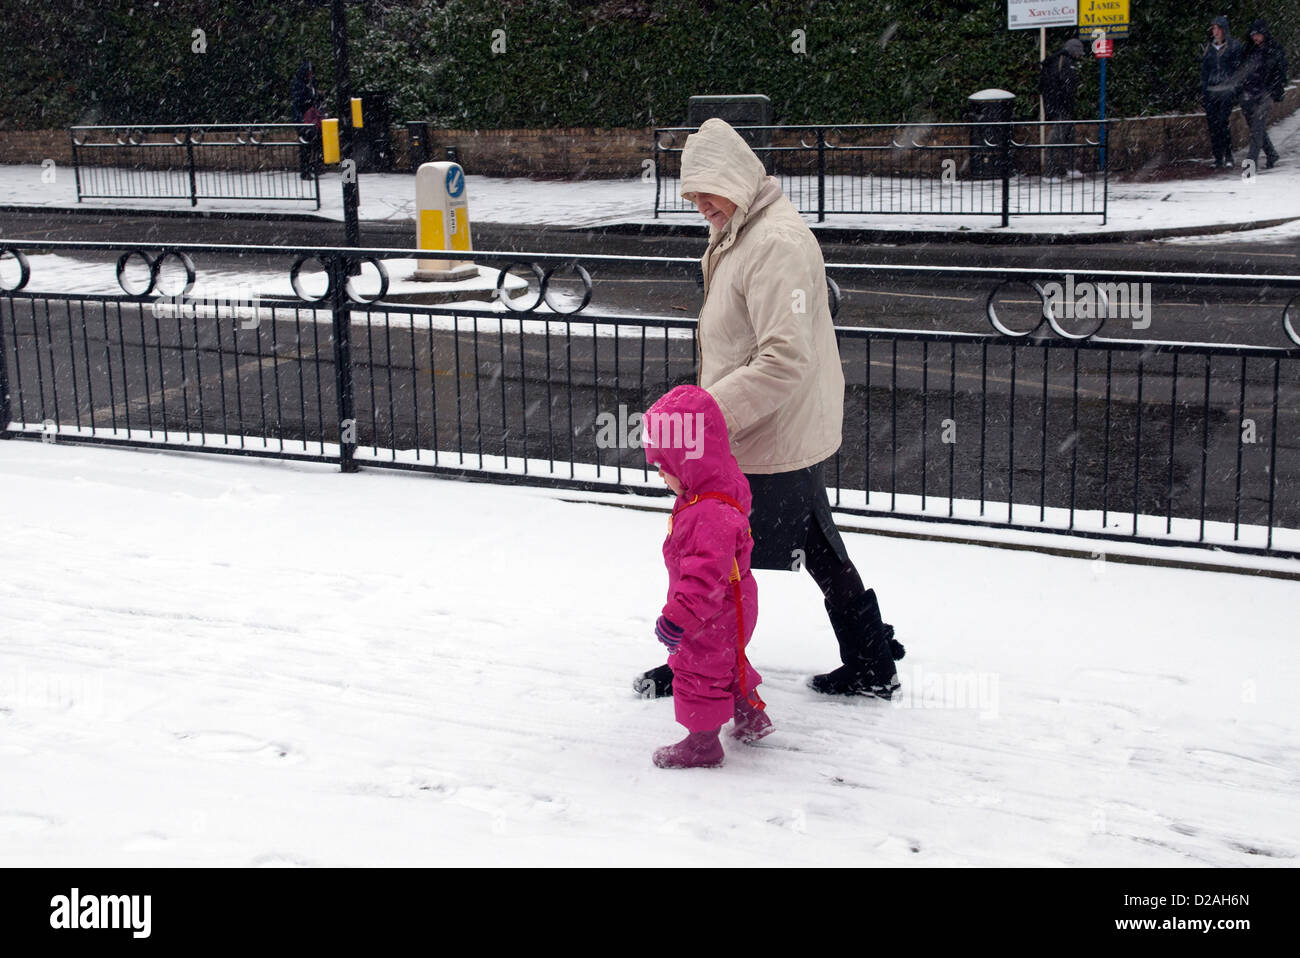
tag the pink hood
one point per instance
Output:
(686, 434)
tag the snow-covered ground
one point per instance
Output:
(216, 661)
(1226, 198)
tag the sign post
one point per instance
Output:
(1099, 21)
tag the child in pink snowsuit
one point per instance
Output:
(712, 602)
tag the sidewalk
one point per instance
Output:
(1217, 202)
(367, 693)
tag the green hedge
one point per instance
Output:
(569, 64)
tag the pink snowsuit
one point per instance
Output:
(708, 544)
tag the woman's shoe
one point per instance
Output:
(655, 684)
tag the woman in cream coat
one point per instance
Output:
(768, 356)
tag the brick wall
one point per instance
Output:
(1135, 144)
(581, 153)
(34, 146)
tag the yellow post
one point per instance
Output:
(357, 120)
(329, 140)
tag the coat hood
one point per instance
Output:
(685, 433)
(716, 159)
(1222, 23)
(1074, 47)
(1260, 27)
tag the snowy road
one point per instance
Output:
(216, 662)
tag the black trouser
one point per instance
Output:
(308, 152)
(852, 608)
(792, 526)
(1258, 113)
(1057, 157)
(1218, 112)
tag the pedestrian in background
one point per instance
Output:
(304, 106)
(1058, 83)
(1220, 63)
(1263, 80)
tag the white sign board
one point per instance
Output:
(1026, 14)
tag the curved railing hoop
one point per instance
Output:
(1103, 311)
(834, 295)
(582, 275)
(1287, 325)
(509, 301)
(155, 272)
(296, 269)
(383, 283)
(24, 269)
(122, 262)
(996, 323)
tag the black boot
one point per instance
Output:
(655, 684)
(857, 679)
(868, 650)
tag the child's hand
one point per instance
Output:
(668, 633)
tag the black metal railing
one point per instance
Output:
(213, 161)
(1038, 423)
(1053, 168)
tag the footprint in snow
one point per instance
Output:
(23, 823)
(238, 745)
(274, 860)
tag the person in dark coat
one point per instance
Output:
(304, 105)
(1219, 66)
(302, 91)
(1058, 82)
(1263, 80)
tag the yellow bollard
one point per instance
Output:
(357, 120)
(329, 140)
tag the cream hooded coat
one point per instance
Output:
(767, 343)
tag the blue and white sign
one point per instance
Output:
(455, 182)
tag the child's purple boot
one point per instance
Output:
(697, 750)
(751, 722)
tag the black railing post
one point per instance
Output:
(342, 315)
(1105, 173)
(1006, 174)
(658, 191)
(189, 159)
(821, 175)
(4, 384)
(76, 163)
(343, 99)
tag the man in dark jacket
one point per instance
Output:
(303, 98)
(1219, 66)
(1262, 80)
(1058, 82)
(302, 91)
